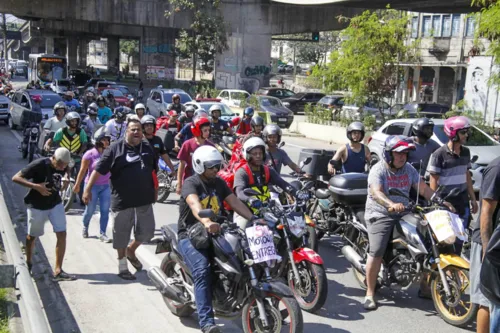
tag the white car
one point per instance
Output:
(355, 112)
(480, 144)
(227, 114)
(233, 97)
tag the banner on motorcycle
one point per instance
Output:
(260, 241)
(446, 226)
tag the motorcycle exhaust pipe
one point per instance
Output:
(160, 281)
(354, 258)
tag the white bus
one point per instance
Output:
(47, 68)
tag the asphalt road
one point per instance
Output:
(99, 301)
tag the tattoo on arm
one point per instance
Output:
(380, 196)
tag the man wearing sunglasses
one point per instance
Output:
(449, 166)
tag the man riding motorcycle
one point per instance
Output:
(140, 110)
(110, 100)
(90, 121)
(353, 155)
(89, 99)
(258, 176)
(382, 209)
(55, 123)
(422, 129)
(176, 104)
(71, 102)
(244, 126)
(103, 112)
(204, 190)
(186, 133)
(116, 127)
(148, 123)
(186, 117)
(276, 157)
(71, 137)
(218, 125)
(257, 125)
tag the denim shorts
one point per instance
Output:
(37, 219)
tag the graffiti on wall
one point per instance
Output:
(158, 48)
(160, 73)
(257, 70)
(225, 80)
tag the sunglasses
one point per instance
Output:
(464, 131)
(217, 166)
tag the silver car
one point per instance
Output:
(160, 98)
(355, 112)
(22, 102)
(480, 144)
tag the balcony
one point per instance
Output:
(440, 46)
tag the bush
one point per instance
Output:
(317, 114)
(251, 101)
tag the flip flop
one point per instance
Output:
(63, 276)
(135, 262)
(126, 275)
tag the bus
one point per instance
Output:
(47, 68)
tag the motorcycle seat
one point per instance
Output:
(170, 233)
(322, 193)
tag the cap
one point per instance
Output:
(62, 155)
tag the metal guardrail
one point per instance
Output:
(32, 313)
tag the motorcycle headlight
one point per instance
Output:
(34, 130)
(71, 163)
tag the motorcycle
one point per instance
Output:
(415, 248)
(303, 267)
(165, 181)
(31, 134)
(66, 192)
(224, 144)
(242, 285)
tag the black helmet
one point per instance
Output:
(355, 126)
(92, 109)
(100, 99)
(272, 129)
(257, 121)
(148, 119)
(419, 125)
(99, 135)
(121, 112)
(71, 116)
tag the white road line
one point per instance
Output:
(292, 145)
(17, 135)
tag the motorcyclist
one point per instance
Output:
(187, 116)
(37, 103)
(103, 112)
(116, 127)
(89, 99)
(38, 85)
(257, 124)
(219, 126)
(258, 176)
(384, 210)
(110, 99)
(204, 190)
(31, 85)
(56, 122)
(90, 121)
(422, 129)
(186, 133)
(276, 157)
(353, 155)
(71, 102)
(244, 127)
(140, 110)
(148, 123)
(176, 104)
(71, 137)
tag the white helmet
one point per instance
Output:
(206, 157)
(251, 144)
(140, 106)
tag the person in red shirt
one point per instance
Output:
(245, 127)
(201, 132)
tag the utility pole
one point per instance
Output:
(294, 64)
(4, 31)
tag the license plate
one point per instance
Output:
(282, 119)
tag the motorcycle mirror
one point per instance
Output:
(308, 186)
(452, 193)
(397, 192)
(307, 160)
(474, 159)
(282, 144)
(270, 217)
(250, 192)
(206, 214)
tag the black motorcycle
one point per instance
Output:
(242, 284)
(224, 142)
(31, 134)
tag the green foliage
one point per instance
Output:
(130, 47)
(4, 316)
(207, 34)
(477, 118)
(317, 114)
(367, 62)
(252, 101)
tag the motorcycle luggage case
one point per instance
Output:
(319, 163)
(349, 188)
(30, 117)
(167, 137)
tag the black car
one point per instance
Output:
(79, 78)
(276, 92)
(429, 110)
(279, 114)
(297, 102)
(334, 103)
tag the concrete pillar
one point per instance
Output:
(156, 54)
(82, 53)
(435, 91)
(49, 45)
(404, 96)
(71, 52)
(416, 84)
(456, 85)
(113, 52)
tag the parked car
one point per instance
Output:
(479, 143)
(79, 78)
(22, 102)
(4, 108)
(278, 112)
(124, 89)
(334, 103)
(60, 86)
(160, 98)
(227, 114)
(275, 92)
(297, 102)
(233, 97)
(120, 98)
(91, 83)
(356, 112)
(429, 110)
(101, 85)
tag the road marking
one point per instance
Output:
(17, 135)
(292, 145)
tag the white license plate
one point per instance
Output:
(282, 119)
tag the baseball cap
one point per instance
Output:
(62, 155)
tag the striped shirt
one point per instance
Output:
(452, 170)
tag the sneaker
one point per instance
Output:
(63, 276)
(370, 303)
(85, 233)
(104, 238)
(211, 329)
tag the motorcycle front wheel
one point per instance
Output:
(313, 289)
(456, 310)
(165, 186)
(67, 196)
(32, 152)
(283, 315)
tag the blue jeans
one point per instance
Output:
(199, 265)
(459, 244)
(494, 318)
(103, 194)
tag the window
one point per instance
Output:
(446, 25)
(426, 26)
(436, 25)
(224, 94)
(455, 26)
(25, 103)
(414, 27)
(470, 27)
(156, 96)
(395, 129)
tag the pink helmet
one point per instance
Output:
(454, 124)
(36, 98)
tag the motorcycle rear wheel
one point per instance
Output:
(32, 152)
(168, 267)
(448, 308)
(361, 247)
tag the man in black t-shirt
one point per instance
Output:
(44, 178)
(148, 126)
(204, 190)
(131, 162)
(483, 229)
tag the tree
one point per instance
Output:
(308, 52)
(366, 64)
(489, 28)
(207, 34)
(130, 47)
